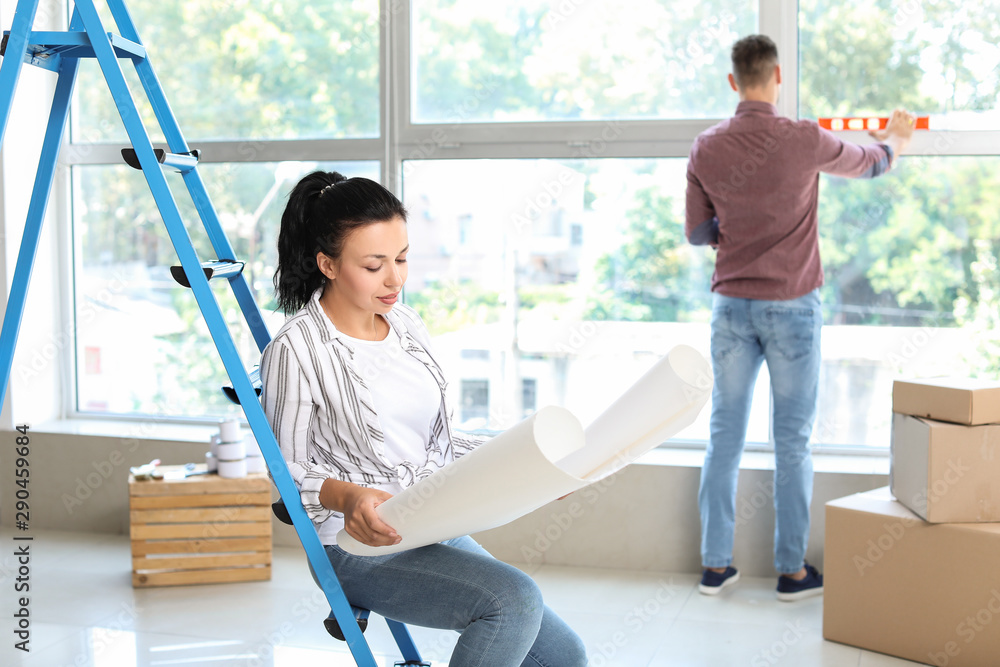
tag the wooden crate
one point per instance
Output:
(200, 530)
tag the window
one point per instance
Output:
(584, 320)
(531, 60)
(291, 70)
(133, 321)
(939, 59)
(911, 269)
(910, 258)
(529, 396)
(475, 403)
(540, 149)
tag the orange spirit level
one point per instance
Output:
(873, 123)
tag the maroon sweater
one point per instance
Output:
(752, 190)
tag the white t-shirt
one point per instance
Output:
(407, 401)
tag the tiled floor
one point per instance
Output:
(85, 613)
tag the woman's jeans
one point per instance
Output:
(458, 585)
(746, 332)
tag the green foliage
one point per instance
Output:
(470, 67)
(981, 313)
(241, 70)
(897, 249)
(648, 278)
(524, 61)
(448, 306)
(851, 64)
(540, 296)
(190, 373)
(904, 242)
(862, 57)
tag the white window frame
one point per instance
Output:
(400, 139)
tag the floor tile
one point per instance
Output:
(85, 613)
(753, 600)
(698, 643)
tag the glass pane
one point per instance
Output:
(860, 58)
(911, 273)
(248, 71)
(142, 344)
(530, 60)
(561, 288)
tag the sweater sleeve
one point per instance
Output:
(843, 158)
(288, 406)
(701, 226)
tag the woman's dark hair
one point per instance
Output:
(323, 208)
(754, 58)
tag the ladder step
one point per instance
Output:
(222, 268)
(47, 47)
(182, 162)
(333, 627)
(231, 394)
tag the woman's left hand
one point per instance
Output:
(363, 523)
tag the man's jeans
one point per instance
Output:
(746, 332)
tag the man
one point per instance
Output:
(752, 191)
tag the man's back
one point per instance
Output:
(757, 173)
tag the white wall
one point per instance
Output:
(35, 392)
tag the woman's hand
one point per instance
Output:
(362, 522)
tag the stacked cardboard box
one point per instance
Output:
(915, 574)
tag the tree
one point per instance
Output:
(898, 249)
(652, 276)
(521, 61)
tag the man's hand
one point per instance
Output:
(898, 131)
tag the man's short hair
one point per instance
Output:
(754, 59)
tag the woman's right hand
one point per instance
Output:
(362, 522)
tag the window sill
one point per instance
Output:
(123, 428)
(859, 464)
(856, 464)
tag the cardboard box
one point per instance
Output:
(946, 472)
(950, 399)
(920, 591)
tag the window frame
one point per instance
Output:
(400, 140)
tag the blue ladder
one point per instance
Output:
(61, 52)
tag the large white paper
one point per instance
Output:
(545, 457)
(663, 402)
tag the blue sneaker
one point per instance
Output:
(713, 582)
(790, 590)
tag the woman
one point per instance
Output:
(356, 401)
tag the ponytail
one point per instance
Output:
(323, 208)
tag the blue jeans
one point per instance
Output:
(458, 585)
(746, 332)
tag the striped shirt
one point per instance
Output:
(321, 410)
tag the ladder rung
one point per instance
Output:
(182, 162)
(45, 47)
(222, 268)
(255, 381)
